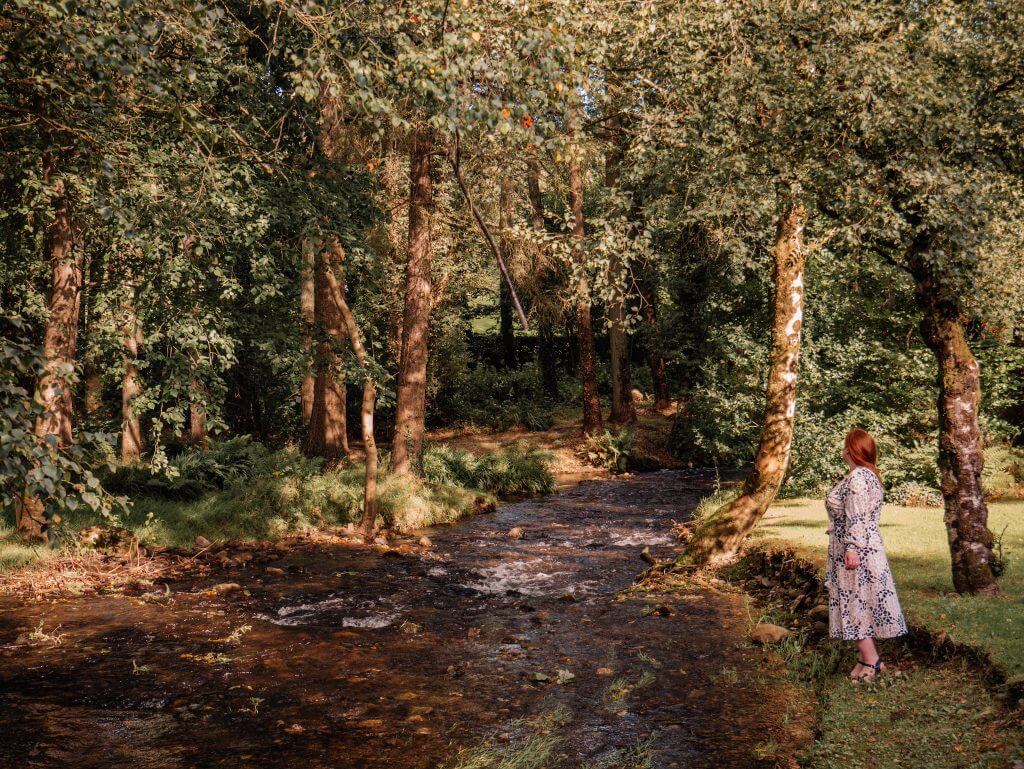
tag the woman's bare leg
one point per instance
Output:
(866, 653)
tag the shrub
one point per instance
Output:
(494, 398)
(516, 470)
(913, 494)
(608, 450)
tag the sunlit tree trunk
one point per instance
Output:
(336, 286)
(132, 441)
(505, 308)
(60, 342)
(410, 402)
(961, 446)
(546, 352)
(198, 432)
(327, 435)
(622, 411)
(592, 420)
(307, 310)
(720, 536)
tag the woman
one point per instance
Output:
(862, 598)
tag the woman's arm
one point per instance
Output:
(858, 507)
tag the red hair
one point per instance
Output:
(862, 450)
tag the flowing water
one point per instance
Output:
(337, 656)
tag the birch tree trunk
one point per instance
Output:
(369, 517)
(132, 441)
(307, 309)
(592, 420)
(720, 536)
(546, 353)
(412, 372)
(961, 445)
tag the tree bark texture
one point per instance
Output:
(327, 434)
(721, 535)
(60, 343)
(307, 309)
(961, 445)
(592, 420)
(411, 397)
(336, 287)
(132, 440)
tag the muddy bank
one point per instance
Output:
(337, 656)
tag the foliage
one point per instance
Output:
(35, 466)
(609, 450)
(520, 469)
(490, 397)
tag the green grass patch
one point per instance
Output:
(240, 491)
(916, 544)
(927, 718)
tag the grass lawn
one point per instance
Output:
(915, 540)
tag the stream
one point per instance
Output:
(338, 656)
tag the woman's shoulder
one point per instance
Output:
(863, 477)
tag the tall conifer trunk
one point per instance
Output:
(327, 435)
(592, 420)
(307, 310)
(410, 403)
(721, 535)
(961, 446)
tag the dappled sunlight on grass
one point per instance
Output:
(918, 551)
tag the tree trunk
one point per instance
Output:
(410, 402)
(132, 441)
(546, 352)
(61, 335)
(961, 446)
(307, 309)
(505, 309)
(622, 411)
(198, 433)
(60, 342)
(592, 420)
(720, 536)
(327, 435)
(655, 359)
(369, 517)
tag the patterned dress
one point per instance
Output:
(862, 602)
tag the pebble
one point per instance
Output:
(515, 533)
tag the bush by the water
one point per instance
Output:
(238, 489)
(609, 450)
(519, 469)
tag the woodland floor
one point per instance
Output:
(481, 650)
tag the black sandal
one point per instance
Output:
(877, 668)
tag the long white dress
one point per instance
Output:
(862, 602)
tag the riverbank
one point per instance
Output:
(952, 697)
